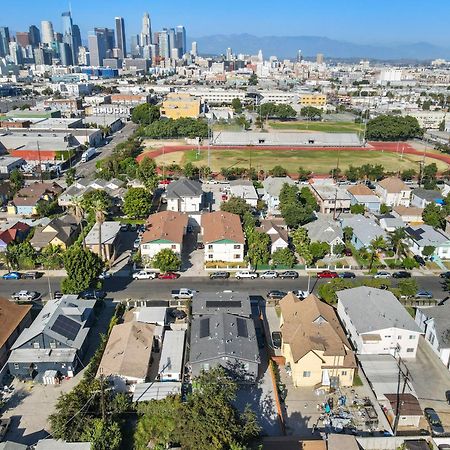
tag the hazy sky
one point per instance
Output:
(361, 21)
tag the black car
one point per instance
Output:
(276, 295)
(178, 314)
(434, 422)
(276, 339)
(31, 275)
(445, 275)
(419, 260)
(347, 275)
(288, 274)
(93, 294)
(219, 275)
(401, 274)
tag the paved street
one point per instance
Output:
(121, 286)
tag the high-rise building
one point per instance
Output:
(135, 48)
(299, 56)
(65, 54)
(68, 34)
(76, 39)
(120, 36)
(229, 54)
(42, 56)
(4, 41)
(319, 58)
(194, 49)
(23, 38)
(146, 32)
(172, 39)
(260, 56)
(164, 44)
(181, 39)
(97, 48)
(15, 53)
(108, 35)
(47, 33)
(35, 36)
(57, 37)
(83, 57)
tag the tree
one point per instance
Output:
(434, 216)
(51, 257)
(428, 250)
(284, 257)
(235, 205)
(236, 105)
(16, 181)
(318, 250)
(204, 172)
(258, 248)
(21, 255)
(410, 263)
(103, 435)
(352, 174)
(357, 209)
(96, 199)
(166, 260)
(45, 208)
(311, 113)
(83, 268)
(375, 246)
(385, 209)
(190, 171)
(70, 176)
(348, 234)
(396, 239)
(408, 174)
(147, 173)
(145, 114)
(393, 128)
(408, 287)
(301, 243)
(253, 80)
(327, 291)
(137, 203)
(429, 176)
(278, 171)
(303, 174)
(77, 207)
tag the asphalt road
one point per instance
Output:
(122, 287)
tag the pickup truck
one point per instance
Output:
(25, 295)
(246, 274)
(183, 293)
(144, 275)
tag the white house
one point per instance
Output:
(377, 323)
(244, 189)
(223, 237)
(325, 229)
(171, 360)
(421, 236)
(272, 188)
(184, 196)
(277, 231)
(435, 323)
(165, 229)
(393, 192)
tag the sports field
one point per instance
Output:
(317, 161)
(326, 127)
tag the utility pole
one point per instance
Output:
(102, 397)
(406, 378)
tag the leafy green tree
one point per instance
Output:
(137, 203)
(278, 171)
(258, 248)
(348, 234)
(253, 80)
(51, 257)
(311, 113)
(236, 104)
(408, 174)
(21, 255)
(284, 257)
(303, 174)
(205, 172)
(166, 260)
(385, 209)
(352, 174)
(357, 209)
(301, 243)
(16, 181)
(434, 216)
(327, 291)
(308, 200)
(393, 128)
(428, 250)
(178, 128)
(318, 250)
(83, 268)
(96, 198)
(145, 114)
(410, 263)
(375, 246)
(235, 205)
(408, 287)
(429, 176)
(190, 171)
(45, 208)
(103, 435)
(147, 173)
(396, 241)
(70, 176)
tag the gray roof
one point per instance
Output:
(43, 355)
(184, 188)
(110, 230)
(441, 317)
(221, 302)
(330, 192)
(8, 445)
(366, 230)
(144, 392)
(243, 189)
(273, 185)
(324, 229)
(53, 444)
(70, 306)
(424, 235)
(223, 335)
(427, 194)
(373, 309)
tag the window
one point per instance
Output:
(399, 337)
(237, 256)
(409, 350)
(173, 247)
(210, 247)
(36, 345)
(306, 374)
(344, 373)
(237, 247)
(16, 366)
(53, 344)
(412, 336)
(205, 366)
(210, 256)
(387, 337)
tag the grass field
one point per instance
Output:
(326, 127)
(316, 161)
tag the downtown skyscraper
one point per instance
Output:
(146, 32)
(120, 36)
(68, 35)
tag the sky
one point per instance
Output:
(358, 21)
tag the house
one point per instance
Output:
(409, 214)
(314, 344)
(293, 443)
(56, 444)
(185, 195)
(360, 194)
(276, 228)
(126, 359)
(420, 236)
(60, 232)
(14, 319)
(14, 233)
(377, 323)
(393, 192)
(244, 189)
(236, 303)
(5, 192)
(224, 340)
(409, 409)
(272, 188)
(435, 324)
(164, 230)
(8, 164)
(325, 229)
(56, 340)
(171, 361)
(223, 237)
(331, 198)
(365, 230)
(110, 232)
(423, 197)
(156, 315)
(390, 223)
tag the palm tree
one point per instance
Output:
(396, 241)
(78, 211)
(100, 214)
(375, 245)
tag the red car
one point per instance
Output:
(327, 274)
(168, 276)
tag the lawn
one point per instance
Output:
(326, 127)
(317, 161)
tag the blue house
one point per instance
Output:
(364, 230)
(360, 194)
(56, 340)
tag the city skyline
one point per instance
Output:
(368, 23)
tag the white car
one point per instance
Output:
(25, 295)
(246, 274)
(144, 275)
(269, 274)
(301, 294)
(382, 274)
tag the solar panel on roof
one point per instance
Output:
(223, 304)
(66, 327)
(204, 327)
(242, 329)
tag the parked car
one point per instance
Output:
(445, 275)
(183, 293)
(137, 243)
(246, 274)
(419, 260)
(93, 294)
(269, 274)
(168, 276)
(348, 252)
(276, 339)
(12, 276)
(31, 275)
(144, 275)
(26, 295)
(57, 295)
(327, 274)
(124, 227)
(434, 422)
(105, 275)
(276, 295)
(288, 274)
(4, 425)
(301, 294)
(219, 275)
(424, 294)
(347, 275)
(178, 314)
(382, 274)
(401, 274)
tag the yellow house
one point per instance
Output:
(315, 100)
(60, 232)
(314, 344)
(181, 105)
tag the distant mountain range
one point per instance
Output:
(287, 47)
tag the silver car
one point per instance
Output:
(269, 274)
